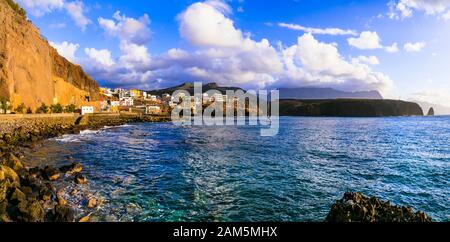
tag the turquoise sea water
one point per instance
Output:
(161, 172)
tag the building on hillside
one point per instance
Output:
(135, 93)
(127, 102)
(153, 110)
(87, 110)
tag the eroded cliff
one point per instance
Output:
(32, 72)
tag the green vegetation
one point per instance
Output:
(4, 105)
(42, 109)
(29, 111)
(56, 108)
(70, 108)
(16, 7)
(20, 109)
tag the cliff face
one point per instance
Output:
(32, 72)
(349, 108)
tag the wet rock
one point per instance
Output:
(60, 198)
(28, 212)
(73, 192)
(85, 219)
(34, 172)
(355, 207)
(80, 179)
(92, 203)
(10, 176)
(72, 169)
(12, 162)
(51, 174)
(17, 196)
(62, 214)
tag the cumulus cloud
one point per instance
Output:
(101, 57)
(66, 49)
(392, 49)
(41, 7)
(132, 30)
(414, 47)
(439, 97)
(325, 31)
(75, 9)
(222, 53)
(316, 63)
(401, 9)
(367, 40)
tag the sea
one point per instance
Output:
(164, 172)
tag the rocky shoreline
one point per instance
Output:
(355, 207)
(28, 194)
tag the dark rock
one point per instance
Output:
(51, 174)
(74, 168)
(9, 176)
(80, 179)
(355, 207)
(17, 196)
(28, 212)
(12, 162)
(34, 172)
(62, 214)
(431, 112)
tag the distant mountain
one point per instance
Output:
(349, 108)
(438, 109)
(190, 88)
(325, 93)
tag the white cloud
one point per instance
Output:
(400, 9)
(223, 54)
(75, 9)
(439, 97)
(132, 30)
(366, 41)
(316, 63)
(205, 24)
(392, 49)
(325, 31)
(102, 57)
(414, 47)
(76, 12)
(66, 49)
(41, 7)
(371, 60)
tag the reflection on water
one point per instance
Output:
(161, 172)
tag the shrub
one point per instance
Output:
(29, 111)
(20, 109)
(4, 105)
(42, 109)
(70, 108)
(16, 7)
(56, 108)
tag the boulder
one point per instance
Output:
(10, 176)
(355, 207)
(17, 196)
(80, 179)
(92, 203)
(72, 169)
(13, 162)
(62, 214)
(29, 212)
(51, 174)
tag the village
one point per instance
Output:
(137, 101)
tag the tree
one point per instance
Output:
(20, 109)
(56, 108)
(42, 109)
(4, 105)
(29, 111)
(70, 108)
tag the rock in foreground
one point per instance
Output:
(355, 207)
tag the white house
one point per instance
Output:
(87, 110)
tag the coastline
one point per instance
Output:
(28, 194)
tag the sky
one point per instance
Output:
(398, 47)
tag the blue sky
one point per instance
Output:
(399, 47)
